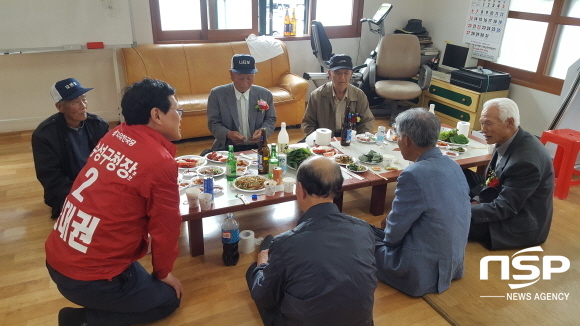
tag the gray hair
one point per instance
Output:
(507, 109)
(420, 125)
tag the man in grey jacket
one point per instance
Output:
(329, 103)
(422, 247)
(323, 271)
(237, 112)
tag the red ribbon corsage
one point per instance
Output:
(492, 181)
(262, 105)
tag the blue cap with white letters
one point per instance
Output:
(244, 64)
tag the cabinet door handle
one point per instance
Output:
(463, 100)
(461, 116)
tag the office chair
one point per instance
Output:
(398, 61)
(320, 44)
(322, 50)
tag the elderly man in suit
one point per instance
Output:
(421, 250)
(514, 208)
(236, 112)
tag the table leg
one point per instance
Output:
(378, 197)
(195, 229)
(338, 200)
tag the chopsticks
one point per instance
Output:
(352, 174)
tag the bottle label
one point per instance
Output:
(231, 237)
(348, 136)
(282, 147)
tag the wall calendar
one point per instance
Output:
(484, 27)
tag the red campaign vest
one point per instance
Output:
(127, 190)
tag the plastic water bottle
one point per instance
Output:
(230, 240)
(380, 136)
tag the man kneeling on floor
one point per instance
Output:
(323, 271)
(422, 247)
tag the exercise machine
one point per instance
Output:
(322, 50)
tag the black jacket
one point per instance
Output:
(521, 214)
(53, 158)
(320, 273)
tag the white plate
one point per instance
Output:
(223, 154)
(339, 155)
(243, 163)
(216, 189)
(450, 154)
(365, 169)
(365, 136)
(221, 169)
(325, 149)
(252, 176)
(441, 145)
(197, 181)
(200, 161)
(183, 184)
(449, 149)
(188, 173)
(389, 136)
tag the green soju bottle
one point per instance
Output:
(273, 162)
(231, 164)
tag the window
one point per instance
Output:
(184, 20)
(233, 20)
(539, 43)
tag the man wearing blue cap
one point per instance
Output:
(236, 112)
(62, 143)
(330, 103)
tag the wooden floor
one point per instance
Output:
(218, 295)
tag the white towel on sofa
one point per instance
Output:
(264, 48)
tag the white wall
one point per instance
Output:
(402, 11)
(537, 108)
(26, 78)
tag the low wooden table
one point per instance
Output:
(378, 181)
(228, 203)
(476, 156)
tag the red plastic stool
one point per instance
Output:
(568, 142)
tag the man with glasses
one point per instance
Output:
(62, 143)
(237, 112)
(329, 103)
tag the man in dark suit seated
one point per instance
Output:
(514, 208)
(422, 247)
(237, 112)
(62, 143)
(322, 272)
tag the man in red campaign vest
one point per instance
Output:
(127, 190)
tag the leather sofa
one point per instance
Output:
(194, 69)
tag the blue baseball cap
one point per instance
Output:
(67, 89)
(243, 64)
